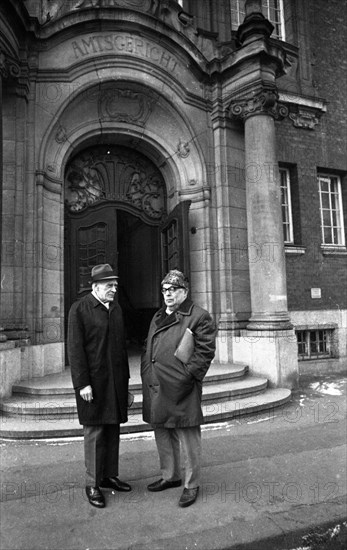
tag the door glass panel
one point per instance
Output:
(91, 251)
(175, 240)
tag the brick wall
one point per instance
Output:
(321, 148)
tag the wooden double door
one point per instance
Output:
(141, 253)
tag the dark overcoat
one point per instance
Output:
(98, 357)
(172, 390)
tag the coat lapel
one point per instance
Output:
(163, 321)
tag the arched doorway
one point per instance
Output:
(115, 201)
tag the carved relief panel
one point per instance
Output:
(115, 173)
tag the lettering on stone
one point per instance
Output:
(124, 44)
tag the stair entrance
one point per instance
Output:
(45, 407)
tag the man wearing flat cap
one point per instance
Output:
(179, 350)
(100, 375)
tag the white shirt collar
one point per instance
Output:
(106, 304)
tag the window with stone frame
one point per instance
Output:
(286, 203)
(272, 10)
(331, 210)
(315, 343)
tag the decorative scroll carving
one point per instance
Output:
(265, 102)
(125, 106)
(8, 67)
(183, 149)
(304, 119)
(116, 173)
(83, 184)
(3, 68)
(61, 136)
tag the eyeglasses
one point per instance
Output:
(171, 289)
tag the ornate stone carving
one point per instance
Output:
(265, 102)
(83, 184)
(304, 119)
(125, 106)
(53, 9)
(8, 67)
(144, 5)
(146, 195)
(183, 149)
(3, 68)
(115, 173)
(61, 136)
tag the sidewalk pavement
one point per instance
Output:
(276, 480)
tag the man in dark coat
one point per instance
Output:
(172, 388)
(100, 376)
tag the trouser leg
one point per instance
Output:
(168, 446)
(111, 457)
(101, 452)
(190, 439)
(93, 454)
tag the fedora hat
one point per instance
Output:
(102, 272)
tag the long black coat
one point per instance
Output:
(98, 357)
(171, 389)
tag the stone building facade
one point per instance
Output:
(153, 134)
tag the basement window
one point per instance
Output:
(315, 344)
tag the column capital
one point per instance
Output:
(263, 102)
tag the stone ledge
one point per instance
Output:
(6, 345)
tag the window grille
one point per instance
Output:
(315, 344)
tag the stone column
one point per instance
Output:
(268, 344)
(2, 73)
(264, 219)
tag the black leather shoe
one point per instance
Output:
(188, 497)
(115, 483)
(162, 484)
(95, 496)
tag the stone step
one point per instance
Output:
(64, 405)
(60, 384)
(22, 427)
